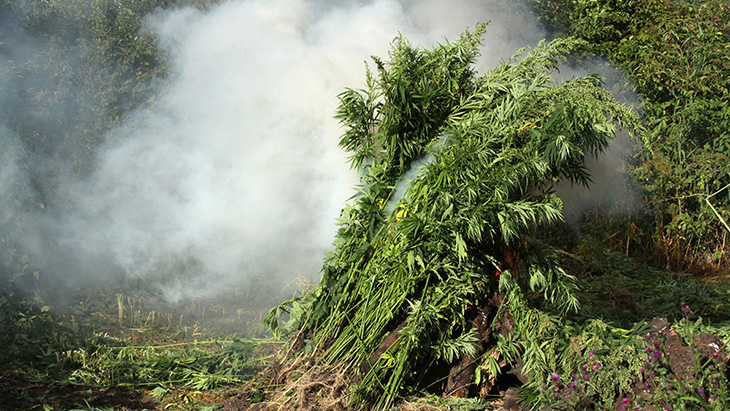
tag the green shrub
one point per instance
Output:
(676, 54)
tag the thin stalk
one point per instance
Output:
(707, 200)
(120, 307)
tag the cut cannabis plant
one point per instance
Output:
(423, 280)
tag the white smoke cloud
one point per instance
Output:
(233, 175)
(610, 191)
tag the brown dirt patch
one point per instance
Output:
(18, 394)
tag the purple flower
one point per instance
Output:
(556, 389)
(641, 370)
(585, 377)
(623, 408)
(555, 377)
(657, 354)
(714, 355)
(699, 391)
(686, 310)
(625, 400)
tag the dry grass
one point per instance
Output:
(302, 385)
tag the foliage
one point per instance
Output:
(632, 370)
(597, 364)
(677, 56)
(704, 387)
(480, 148)
(42, 346)
(456, 170)
(623, 290)
(184, 363)
(31, 339)
(88, 64)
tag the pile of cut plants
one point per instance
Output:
(442, 283)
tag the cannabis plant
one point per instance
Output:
(433, 267)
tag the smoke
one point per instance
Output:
(610, 191)
(232, 177)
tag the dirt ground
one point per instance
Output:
(298, 384)
(17, 394)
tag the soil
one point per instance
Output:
(681, 359)
(17, 395)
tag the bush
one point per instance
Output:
(677, 57)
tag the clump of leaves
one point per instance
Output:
(596, 364)
(474, 154)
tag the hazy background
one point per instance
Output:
(231, 177)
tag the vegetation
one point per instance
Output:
(411, 276)
(72, 71)
(415, 284)
(452, 275)
(88, 348)
(676, 54)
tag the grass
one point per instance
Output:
(94, 353)
(123, 350)
(622, 285)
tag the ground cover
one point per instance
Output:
(96, 355)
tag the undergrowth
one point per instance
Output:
(95, 351)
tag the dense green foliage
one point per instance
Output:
(418, 264)
(678, 59)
